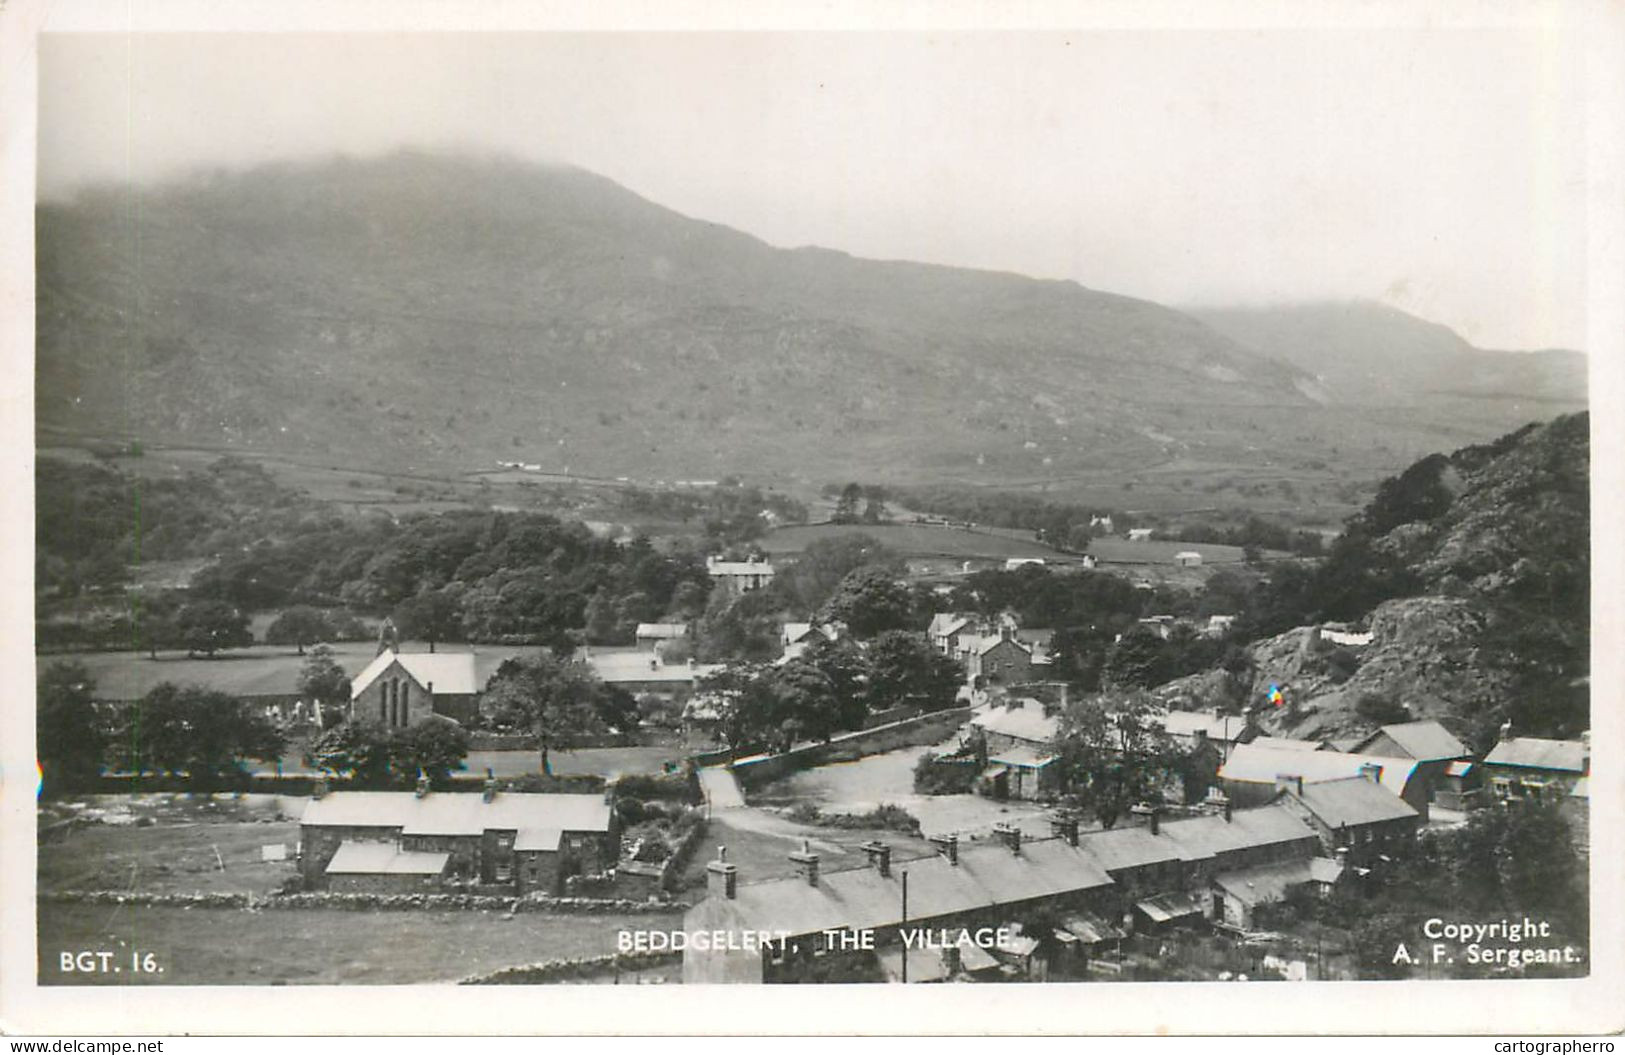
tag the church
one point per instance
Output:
(399, 689)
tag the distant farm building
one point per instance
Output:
(1188, 558)
(1140, 534)
(651, 634)
(739, 576)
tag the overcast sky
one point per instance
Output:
(1439, 171)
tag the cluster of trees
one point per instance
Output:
(1111, 754)
(1252, 532)
(1508, 861)
(1064, 525)
(832, 687)
(854, 579)
(190, 731)
(93, 522)
(857, 504)
(509, 577)
(730, 513)
(555, 698)
(372, 757)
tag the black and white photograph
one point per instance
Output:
(1082, 505)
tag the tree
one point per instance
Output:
(433, 747)
(432, 616)
(806, 703)
(846, 506)
(869, 601)
(321, 678)
(903, 669)
(1112, 754)
(356, 751)
(69, 738)
(209, 626)
(201, 732)
(300, 625)
(1135, 661)
(556, 698)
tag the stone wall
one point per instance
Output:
(925, 729)
(582, 966)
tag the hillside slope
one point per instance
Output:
(1472, 574)
(1368, 354)
(422, 307)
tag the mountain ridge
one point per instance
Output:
(422, 306)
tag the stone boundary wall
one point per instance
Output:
(552, 970)
(363, 902)
(912, 732)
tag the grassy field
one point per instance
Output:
(169, 859)
(317, 946)
(262, 670)
(1116, 550)
(916, 540)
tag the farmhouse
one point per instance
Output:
(1354, 814)
(646, 673)
(739, 576)
(398, 689)
(394, 841)
(1530, 767)
(946, 629)
(1188, 558)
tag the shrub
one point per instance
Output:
(1379, 710)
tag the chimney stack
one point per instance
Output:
(1292, 782)
(879, 856)
(319, 788)
(423, 784)
(722, 876)
(1009, 834)
(806, 863)
(1064, 826)
(1150, 813)
(489, 792)
(948, 846)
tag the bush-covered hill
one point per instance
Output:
(1472, 573)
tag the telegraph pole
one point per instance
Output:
(905, 920)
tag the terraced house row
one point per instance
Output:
(1218, 865)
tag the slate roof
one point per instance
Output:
(640, 668)
(662, 630)
(1163, 907)
(1353, 800)
(450, 673)
(457, 813)
(1249, 763)
(361, 858)
(536, 839)
(1534, 753)
(1226, 727)
(1028, 722)
(1211, 835)
(862, 898)
(1425, 740)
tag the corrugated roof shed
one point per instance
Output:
(1286, 743)
(1353, 800)
(1025, 757)
(458, 813)
(1261, 765)
(1534, 753)
(359, 858)
(1265, 883)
